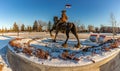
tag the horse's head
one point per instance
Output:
(55, 19)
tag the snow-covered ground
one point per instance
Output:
(3, 61)
(55, 51)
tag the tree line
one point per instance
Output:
(36, 27)
(40, 26)
(102, 29)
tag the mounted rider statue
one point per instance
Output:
(63, 20)
(64, 26)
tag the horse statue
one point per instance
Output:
(65, 27)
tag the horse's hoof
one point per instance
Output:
(54, 40)
(65, 45)
(77, 46)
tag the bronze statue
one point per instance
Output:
(67, 28)
(64, 17)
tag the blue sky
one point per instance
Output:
(94, 12)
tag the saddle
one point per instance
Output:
(63, 27)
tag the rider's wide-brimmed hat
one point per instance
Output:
(63, 11)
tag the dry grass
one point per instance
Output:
(41, 54)
(27, 51)
(1, 67)
(14, 44)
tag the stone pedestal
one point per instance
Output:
(18, 63)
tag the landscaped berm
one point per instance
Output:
(42, 54)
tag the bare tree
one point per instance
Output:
(77, 24)
(82, 28)
(42, 23)
(96, 29)
(90, 28)
(102, 29)
(113, 22)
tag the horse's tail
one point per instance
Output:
(74, 27)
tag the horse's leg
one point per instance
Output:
(56, 35)
(51, 32)
(56, 27)
(67, 34)
(74, 32)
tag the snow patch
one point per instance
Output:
(55, 50)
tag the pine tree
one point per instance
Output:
(35, 26)
(3, 31)
(29, 29)
(16, 28)
(49, 26)
(23, 27)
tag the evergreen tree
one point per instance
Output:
(29, 29)
(3, 31)
(35, 26)
(15, 27)
(23, 27)
(49, 26)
